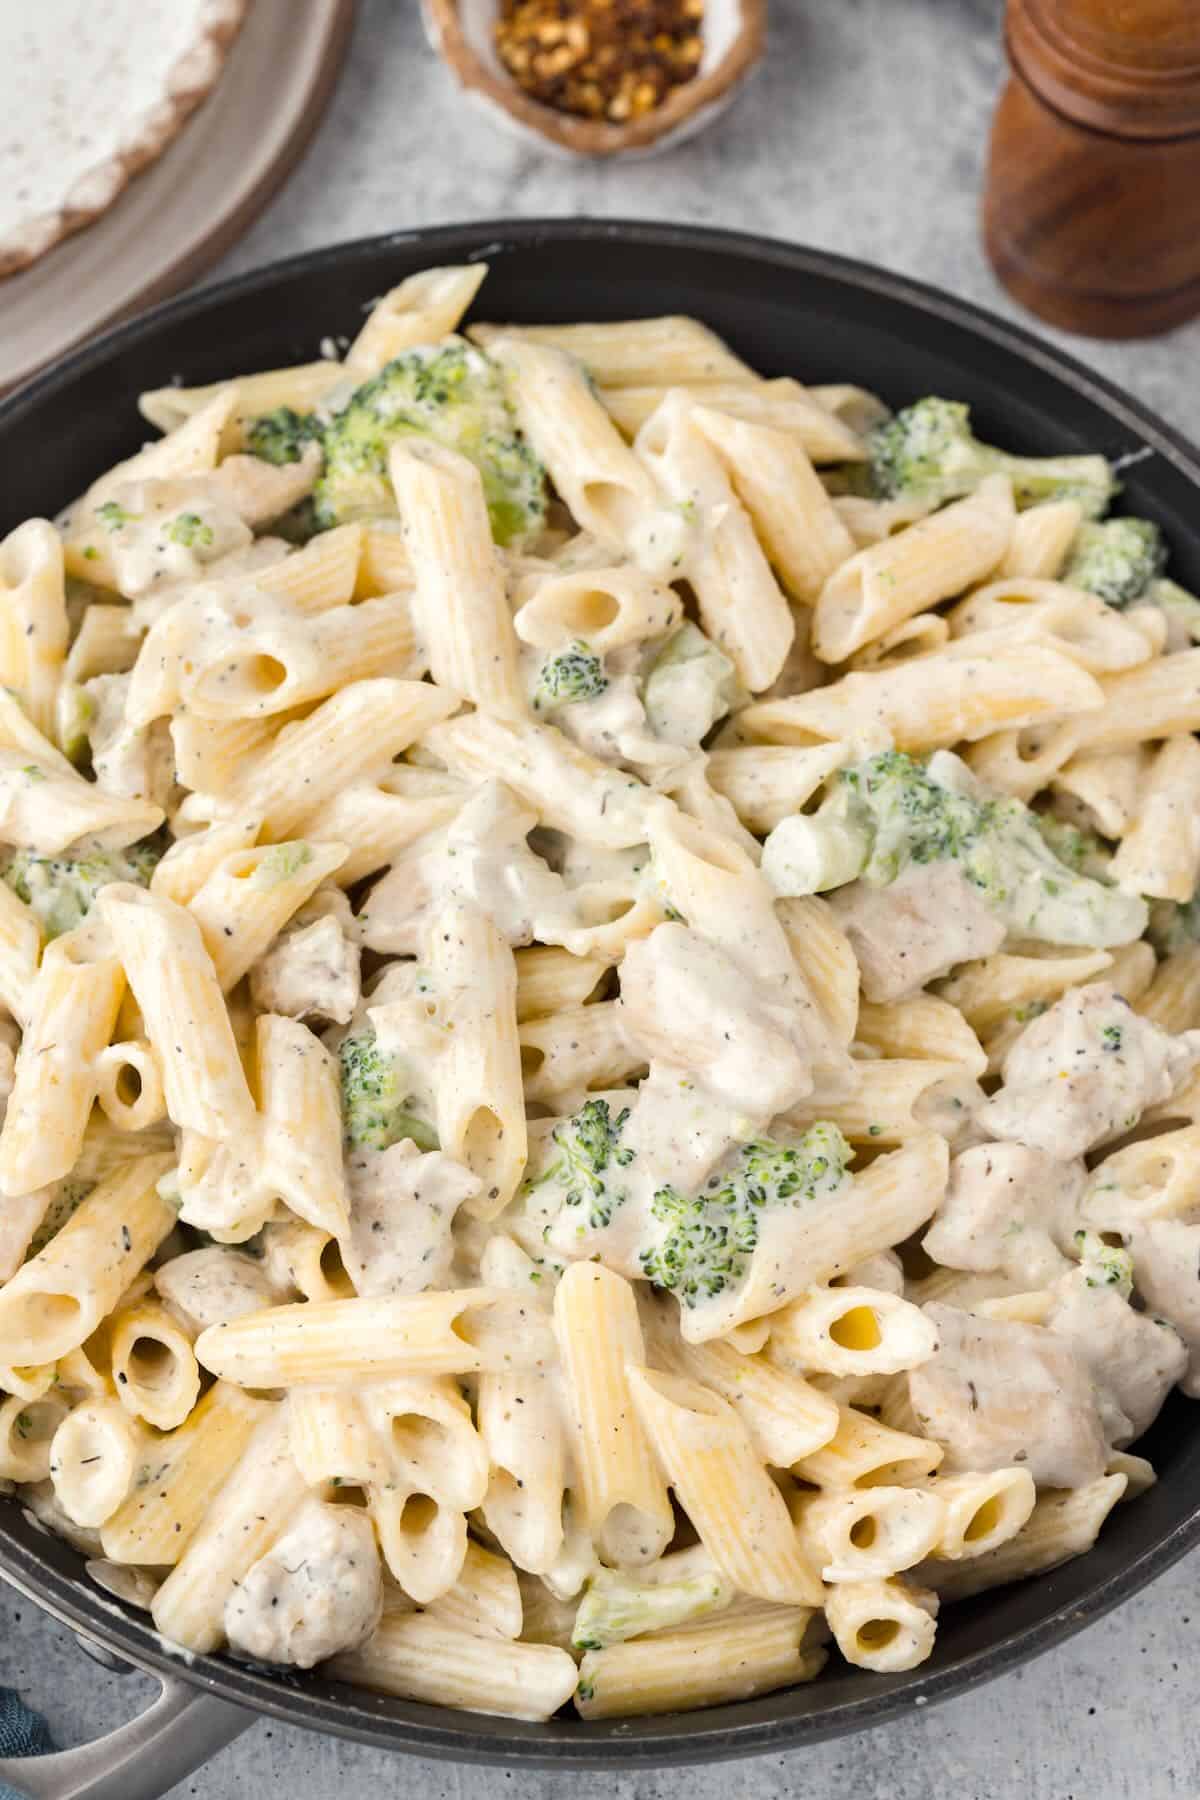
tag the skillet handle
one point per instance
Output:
(141, 1759)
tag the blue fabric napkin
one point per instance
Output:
(22, 1733)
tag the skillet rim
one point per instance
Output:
(645, 1742)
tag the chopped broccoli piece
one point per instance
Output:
(589, 1145)
(112, 516)
(281, 862)
(711, 1236)
(1080, 850)
(927, 452)
(893, 811)
(1116, 560)
(378, 1109)
(189, 530)
(283, 435)
(1104, 1265)
(621, 1604)
(1173, 926)
(454, 395)
(576, 673)
(62, 889)
(689, 686)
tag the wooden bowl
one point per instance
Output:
(461, 31)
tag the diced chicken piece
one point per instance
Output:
(1008, 1209)
(1134, 1359)
(312, 969)
(1085, 1071)
(402, 1207)
(136, 761)
(1166, 1266)
(919, 927)
(212, 1286)
(318, 1590)
(996, 1393)
(685, 1001)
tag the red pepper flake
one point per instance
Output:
(603, 59)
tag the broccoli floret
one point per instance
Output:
(62, 889)
(189, 530)
(1080, 850)
(378, 1109)
(589, 1154)
(453, 395)
(1104, 1265)
(1174, 927)
(710, 1237)
(620, 1604)
(576, 673)
(1116, 560)
(689, 686)
(927, 452)
(282, 436)
(112, 516)
(893, 811)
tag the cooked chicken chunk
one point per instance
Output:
(211, 1286)
(318, 1590)
(917, 928)
(1135, 1360)
(1009, 1209)
(1086, 1070)
(997, 1393)
(402, 1206)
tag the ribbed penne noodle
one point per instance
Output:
(1064, 1523)
(299, 387)
(460, 605)
(865, 1453)
(423, 1540)
(773, 477)
(1106, 785)
(179, 1477)
(709, 1665)
(1007, 985)
(306, 1258)
(211, 753)
(851, 1331)
(919, 636)
(982, 1511)
(60, 1296)
(741, 605)
(551, 980)
(478, 1093)
(824, 957)
(600, 1345)
(574, 1050)
(867, 1534)
(765, 783)
(611, 493)
(47, 807)
(1172, 998)
(606, 608)
(258, 675)
(715, 886)
(337, 1343)
(675, 352)
(190, 861)
(250, 1511)
(129, 1085)
(878, 588)
(485, 1600)
(885, 1626)
(94, 1457)
(322, 575)
(1160, 854)
(173, 980)
(431, 1442)
(20, 947)
(964, 692)
(419, 1656)
(786, 1417)
(332, 1439)
(782, 404)
(33, 618)
(1041, 537)
(1095, 636)
(355, 733)
(376, 823)
(153, 1365)
(191, 447)
(302, 1137)
(894, 1099)
(1139, 1474)
(27, 1432)
(421, 310)
(924, 1027)
(569, 790)
(245, 901)
(1154, 1178)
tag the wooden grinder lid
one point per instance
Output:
(1127, 67)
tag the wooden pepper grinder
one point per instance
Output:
(1092, 208)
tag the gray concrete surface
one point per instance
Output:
(864, 133)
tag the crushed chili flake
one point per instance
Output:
(604, 59)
